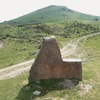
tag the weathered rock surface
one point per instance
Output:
(49, 64)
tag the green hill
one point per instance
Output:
(52, 14)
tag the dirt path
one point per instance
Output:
(15, 70)
(72, 46)
(1, 43)
(18, 69)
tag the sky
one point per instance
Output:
(11, 9)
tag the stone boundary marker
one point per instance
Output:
(49, 63)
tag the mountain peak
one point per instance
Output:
(52, 13)
(56, 6)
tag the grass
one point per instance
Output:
(9, 89)
(21, 42)
(17, 88)
(14, 52)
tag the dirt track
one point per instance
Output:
(18, 69)
(15, 70)
(72, 46)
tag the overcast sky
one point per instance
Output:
(10, 9)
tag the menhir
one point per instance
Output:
(49, 64)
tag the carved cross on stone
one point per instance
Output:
(49, 64)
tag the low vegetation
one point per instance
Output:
(22, 42)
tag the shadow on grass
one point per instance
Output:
(45, 86)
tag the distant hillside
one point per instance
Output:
(52, 14)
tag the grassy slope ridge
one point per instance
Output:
(52, 14)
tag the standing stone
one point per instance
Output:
(49, 64)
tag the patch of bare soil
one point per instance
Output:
(84, 89)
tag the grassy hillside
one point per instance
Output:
(21, 42)
(53, 14)
(17, 88)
